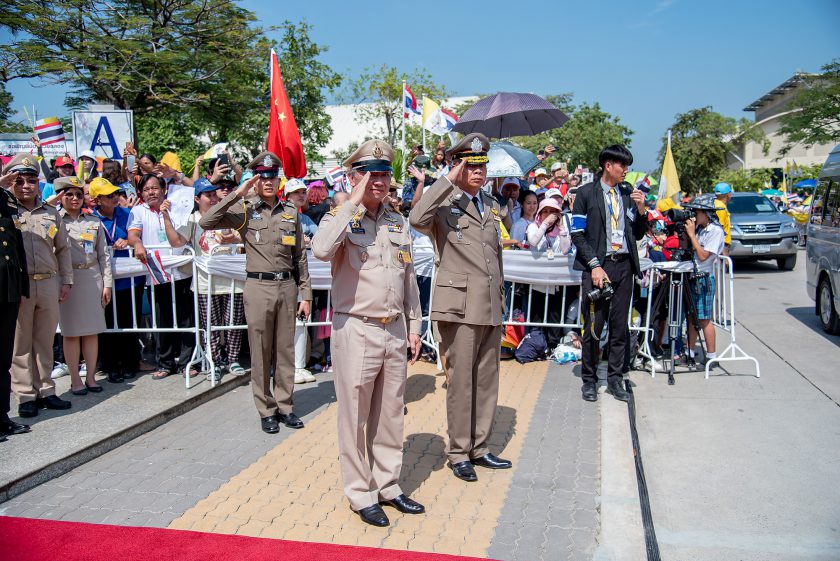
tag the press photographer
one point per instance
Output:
(706, 241)
(607, 218)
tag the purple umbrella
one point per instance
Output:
(510, 114)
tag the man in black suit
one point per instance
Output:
(607, 218)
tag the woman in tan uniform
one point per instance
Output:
(81, 316)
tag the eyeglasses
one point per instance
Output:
(74, 195)
(28, 180)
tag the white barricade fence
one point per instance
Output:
(170, 259)
(723, 316)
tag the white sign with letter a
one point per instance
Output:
(103, 132)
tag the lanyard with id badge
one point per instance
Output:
(616, 235)
(87, 242)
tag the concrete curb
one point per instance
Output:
(63, 465)
(622, 536)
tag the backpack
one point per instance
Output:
(533, 347)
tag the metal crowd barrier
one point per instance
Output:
(188, 255)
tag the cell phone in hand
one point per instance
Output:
(130, 161)
(224, 160)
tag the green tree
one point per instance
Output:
(701, 140)
(745, 179)
(814, 116)
(186, 66)
(379, 91)
(7, 123)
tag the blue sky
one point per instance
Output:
(644, 61)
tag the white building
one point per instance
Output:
(768, 110)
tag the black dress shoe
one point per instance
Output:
(589, 392)
(115, 377)
(28, 409)
(490, 461)
(94, 389)
(464, 471)
(374, 515)
(53, 402)
(291, 420)
(616, 389)
(9, 427)
(405, 505)
(269, 425)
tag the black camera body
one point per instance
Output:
(604, 293)
(677, 215)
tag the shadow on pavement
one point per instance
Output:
(807, 317)
(419, 386)
(428, 451)
(311, 398)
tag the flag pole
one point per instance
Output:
(403, 109)
(423, 125)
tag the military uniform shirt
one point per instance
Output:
(272, 235)
(88, 246)
(14, 280)
(45, 242)
(372, 269)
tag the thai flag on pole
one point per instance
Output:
(335, 175)
(156, 271)
(409, 101)
(49, 131)
(449, 117)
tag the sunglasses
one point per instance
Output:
(74, 195)
(28, 180)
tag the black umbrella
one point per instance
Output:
(509, 114)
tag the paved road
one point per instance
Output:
(741, 468)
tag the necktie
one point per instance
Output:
(475, 203)
(614, 208)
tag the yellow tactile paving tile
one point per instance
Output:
(294, 492)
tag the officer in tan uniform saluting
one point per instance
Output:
(375, 298)
(467, 300)
(50, 278)
(275, 260)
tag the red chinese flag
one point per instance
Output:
(283, 135)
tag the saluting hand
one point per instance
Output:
(414, 345)
(7, 180)
(243, 189)
(357, 195)
(455, 174)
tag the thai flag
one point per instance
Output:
(49, 131)
(409, 101)
(335, 175)
(156, 271)
(449, 117)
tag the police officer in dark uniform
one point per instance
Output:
(14, 285)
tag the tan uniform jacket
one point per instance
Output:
(45, 242)
(272, 235)
(468, 254)
(88, 246)
(372, 269)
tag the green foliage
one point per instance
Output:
(744, 179)
(380, 92)
(701, 140)
(194, 73)
(7, 124)
(815, 110)
(578, 142)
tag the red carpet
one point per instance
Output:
(28, 539)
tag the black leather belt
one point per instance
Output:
(283, 275)
(618, 256)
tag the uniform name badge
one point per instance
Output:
(455, 211)
(616, 239)
(256, 216)
(52, 231)
(356, 228)
(288, 240)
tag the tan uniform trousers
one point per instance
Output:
(472, 364)
(270, 308)
(370, 370)
(32, 362)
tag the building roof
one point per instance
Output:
(782, 88)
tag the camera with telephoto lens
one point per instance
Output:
(677, 215)
(678, 218)
(604, 293)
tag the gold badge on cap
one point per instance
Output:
(377, 151)
(267, 162)
(75, 181)
(475, 145)
(26, 162)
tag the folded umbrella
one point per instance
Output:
(507, 160)
(507, 114)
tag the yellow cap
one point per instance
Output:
(172, 160)
(100, 186)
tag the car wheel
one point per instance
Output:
(825, 307)
(787, 264)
